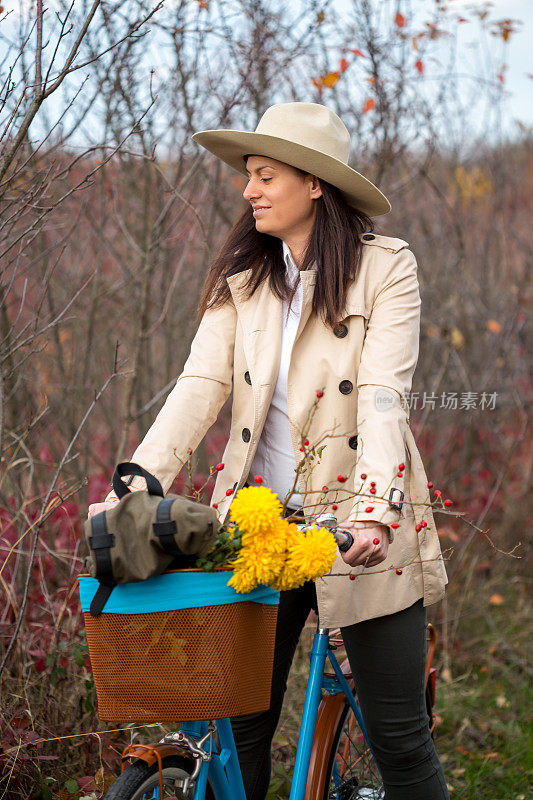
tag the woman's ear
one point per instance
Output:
(315, 189)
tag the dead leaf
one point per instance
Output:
(502, 701)
(495, 599)
(457, 338)
(494, 326)
(399, 19)
(369, 105)
(330, 79)
(446, 675)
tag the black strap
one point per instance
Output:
(129, 468)
(101, 543)
(165, 528)
(100, 598)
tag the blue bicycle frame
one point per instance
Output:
(223, 768)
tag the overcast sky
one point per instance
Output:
(520, 51)
(473, 45)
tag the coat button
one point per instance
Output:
(352, 441)
(345, 387)
(247, 378)
(246, 434)
(340, 330)
(368, 237)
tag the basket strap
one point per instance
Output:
(165, 528)
(101, 543)
(129, 468)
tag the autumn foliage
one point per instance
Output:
(108, 219)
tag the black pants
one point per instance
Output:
(387, 657)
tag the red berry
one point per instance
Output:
(325, 489)
(352, 577)
(258, 479)
(194, 494)
(219, 467)
(398, 572)
(334, 506)
(228, 492)
(215, 505)
(423, 523)
(368, 509)
(400, 475)
(189, 450)
(372, 490)
(363, 476)
(372, 483)
(320, 393)
(341, 478)
(375, 541)
(401, 466)
(430, 484)
(418, 527)
(306, 442)
(301, 449)
(447, 502)
(438, 492)
(394, 525)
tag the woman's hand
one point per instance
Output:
(364, 552)
(95, 508)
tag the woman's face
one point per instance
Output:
(282, 198)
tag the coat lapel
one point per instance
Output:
(260, 317)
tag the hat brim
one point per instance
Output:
(230, 146)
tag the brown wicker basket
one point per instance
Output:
(200, 662)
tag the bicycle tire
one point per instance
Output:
(141, 782)
(360, 778)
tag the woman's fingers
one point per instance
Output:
(96, 508)
(364, 550)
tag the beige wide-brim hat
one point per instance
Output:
(305, 135)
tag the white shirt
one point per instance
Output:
(274, 458)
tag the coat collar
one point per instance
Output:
(261, 319)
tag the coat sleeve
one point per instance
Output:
(195, 401)
(388, 361)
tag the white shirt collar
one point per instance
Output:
(292, 269)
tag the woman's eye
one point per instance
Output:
(266, 179)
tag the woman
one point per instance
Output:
(304, 306)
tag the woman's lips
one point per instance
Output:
(259, 211)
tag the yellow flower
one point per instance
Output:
(311, 555)
(259, 563)
(242, 581)
(287, 579)
(274, 539)
(256, 509)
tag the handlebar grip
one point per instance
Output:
(344, 540)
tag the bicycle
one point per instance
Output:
(334, 758)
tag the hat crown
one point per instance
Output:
(308, 124)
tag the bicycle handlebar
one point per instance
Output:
(343, 538)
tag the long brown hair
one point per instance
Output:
(334, 245)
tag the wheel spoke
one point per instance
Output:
(354, 774)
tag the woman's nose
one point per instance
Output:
(251, 191)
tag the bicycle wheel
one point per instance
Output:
(352, 772)
(141, 782)
(342, 766)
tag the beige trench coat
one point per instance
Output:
(364, 368)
